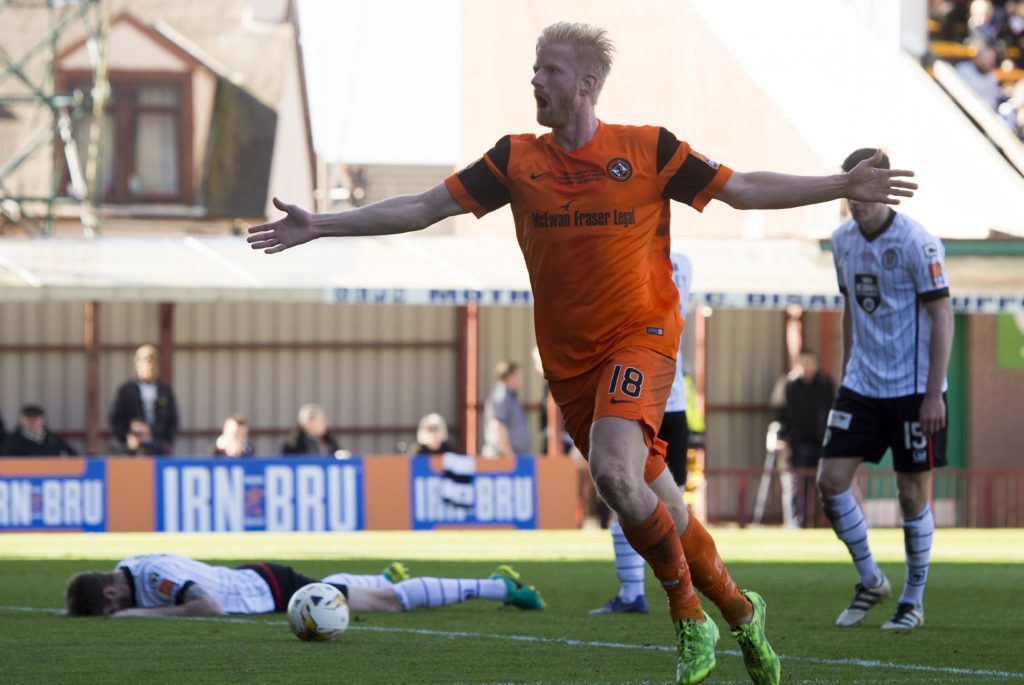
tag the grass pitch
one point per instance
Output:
(972, 634)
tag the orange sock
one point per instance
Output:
(656, 541)
(710, 575)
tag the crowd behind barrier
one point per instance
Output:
(144, 421)
(985, 40)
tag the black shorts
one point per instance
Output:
(866, 427)
(284, 581)
(676, 432)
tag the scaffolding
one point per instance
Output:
(31, 89)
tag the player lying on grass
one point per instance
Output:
(172, 585)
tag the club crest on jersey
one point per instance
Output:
(890, 258)
(620, 169)
(867, 291)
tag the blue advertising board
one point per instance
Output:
(214, 495)
(501, 498)
(59, 502)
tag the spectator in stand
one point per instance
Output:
(32, 438)
(505, 431)
(807, 399)
(148, 397)
(311, 435)
(432, 436)
(979, 73)
(567, 447)
(951, 16)
(984, 23)
(138, 441)
(233, 440)
(1012, 111)
(1013, 29)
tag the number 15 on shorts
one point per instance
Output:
(913, 437)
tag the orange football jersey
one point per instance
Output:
(593, 225)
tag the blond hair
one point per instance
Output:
(308, 412)
(432, 420)
(592, 45)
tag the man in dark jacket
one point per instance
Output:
(148, 397)
(311, 435)
(803, 414)
(32, 438)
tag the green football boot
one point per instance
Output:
(396, 572)
(520, 594)
(760, 659)
(695, 643)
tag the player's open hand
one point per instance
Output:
(868, 183)
(293, 229)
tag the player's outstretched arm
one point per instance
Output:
(865, 182)
(400, 214)
(197, 602)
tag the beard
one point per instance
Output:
(555, 110)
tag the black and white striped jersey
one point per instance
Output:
(886, 280)
(682, 276)
(162, 580)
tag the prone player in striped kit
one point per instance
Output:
(173, 585)
(897, 335)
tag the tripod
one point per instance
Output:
(771, 455)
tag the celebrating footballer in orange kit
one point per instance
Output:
(590, 202)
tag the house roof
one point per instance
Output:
(439, 270)
(219, 36)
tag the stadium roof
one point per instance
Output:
(438, 270)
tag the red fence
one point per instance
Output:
(964, 498)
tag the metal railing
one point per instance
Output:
(963, 498)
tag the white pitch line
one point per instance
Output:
(570, 642)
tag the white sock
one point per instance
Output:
(629, 566)
(436, 592)
(353, 580)
(917, 539)
(848, 522)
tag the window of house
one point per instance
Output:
(142, 141)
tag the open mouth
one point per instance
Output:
(542, 101)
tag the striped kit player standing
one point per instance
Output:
(897, 335)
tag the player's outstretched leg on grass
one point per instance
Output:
(835, 479)
(618, 452)
(743, 610)
(395, 572)
(505, 585)
(520, 595)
